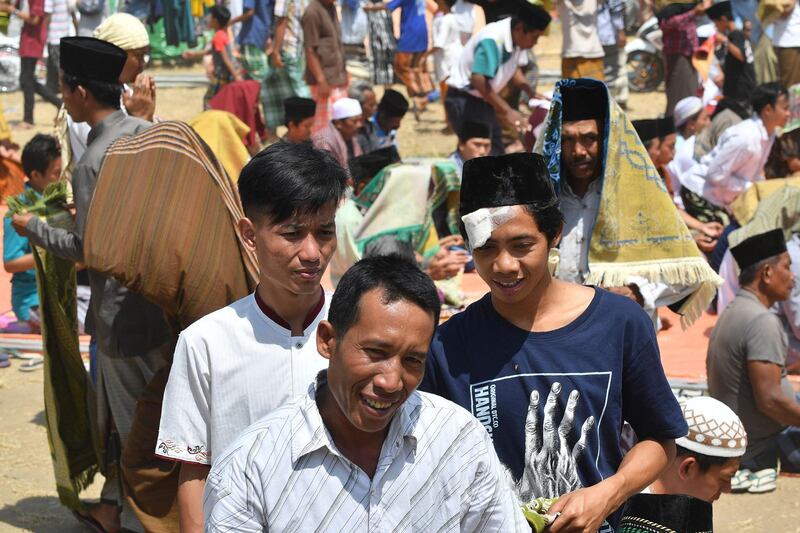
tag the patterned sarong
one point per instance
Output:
(68, 395)
(638, 231)
(254, 63)
(280, 84)
(163, 221)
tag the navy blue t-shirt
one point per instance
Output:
(604, 368)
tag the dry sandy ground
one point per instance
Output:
(28, 499)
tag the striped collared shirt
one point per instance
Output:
(437, 471)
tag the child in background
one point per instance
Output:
(41, 161)
(221, 50)
(446, 45)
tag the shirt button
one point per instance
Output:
(298, 345)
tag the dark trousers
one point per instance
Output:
(30, 87)
(462, 107)
(53, 60)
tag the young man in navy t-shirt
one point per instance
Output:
(551, 369)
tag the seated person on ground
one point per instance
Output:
(380, 131)
(365, 449)
(339, 136)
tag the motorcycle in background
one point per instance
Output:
(645, 64)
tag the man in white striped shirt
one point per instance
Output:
(364, 451)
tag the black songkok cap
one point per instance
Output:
(584, 103)
(91, 59)
(647, 129)
(365, 167)
(297, 109)
(666, 126)
(511, 179)
(759, 247)
(533, 16)
(666, 512)
(720, 9)
(393, 104)
(471, 130)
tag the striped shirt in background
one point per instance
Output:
(293, 11)
(59, 20)
(437, 471)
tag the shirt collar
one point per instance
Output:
(762, 130)
(279, 320)
(508, 41)
(566, 190)
(108, 122)
(313, 435)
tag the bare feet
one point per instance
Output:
(24, 125)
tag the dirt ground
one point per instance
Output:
(28, 500)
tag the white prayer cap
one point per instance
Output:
(345, 108)
(123, 30)
(714, 429)
(686, 109)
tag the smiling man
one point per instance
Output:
(550, 368)
(259, 351)
(363, 450)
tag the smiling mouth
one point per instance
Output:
(510, 284)
(378, 406)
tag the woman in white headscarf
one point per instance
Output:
(138, 96)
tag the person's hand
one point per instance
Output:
(447, 263)
(515, 119)
(621, 38)
(451, 240)
(268, 46)
(237, 76)
(550, 465)
(585, 510)
(628, 291)
(323, 90)
(6, 8)
(141, 102)
(277, 62)
(704, 242)
(18, 222)
(712, 229)
(701, 8)
(187, 54)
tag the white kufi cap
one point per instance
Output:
(686, 109)
(714, 429)
(345, 108)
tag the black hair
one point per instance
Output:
(221, 13)
(767, 94)
(717, 14)
(705, 462)
(748, 275)
(290, 178)
(106, 94)
(398, 279)
(527, 28)
(39, 153)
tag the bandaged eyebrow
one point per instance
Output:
(481, 223)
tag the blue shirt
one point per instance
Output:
(23, 284)
(606, 362)
(257, 30)
(413, 30)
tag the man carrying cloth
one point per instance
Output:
(490, 61)
(526, 358)
(133, 339)
(621, 228)
(363, 450)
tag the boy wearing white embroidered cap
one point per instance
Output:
(709, 455)
(339, 137)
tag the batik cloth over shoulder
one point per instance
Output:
(638, 230)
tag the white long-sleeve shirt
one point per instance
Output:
(735, 163)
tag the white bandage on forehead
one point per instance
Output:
(481, 223)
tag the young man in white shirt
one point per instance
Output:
(363, 450)
(237, 364)
(737, 161)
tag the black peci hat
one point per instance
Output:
(92, 59)
(759, 247)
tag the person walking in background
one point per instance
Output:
(786, 40)
(679, 29)
(57, 28)
(382, 45)
(254, 37)
(446, 42)
(226, 70)
(326, 74)
(581, 49)
(611, 30)
(32, 40)
(735, 52)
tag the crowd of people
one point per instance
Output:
(252, 398)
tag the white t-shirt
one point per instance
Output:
(447, 38)
(230, 369)
(787, 31)
(579, 36)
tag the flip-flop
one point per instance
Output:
(741, 481)
(4, 362)
(763, 481)
(89, 522)
(32, 365)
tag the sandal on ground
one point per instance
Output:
(32, 365)
(763, 481)
(741, 481)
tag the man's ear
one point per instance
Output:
(557, 238)
(326, 339)
(248, 231)
(687, 468)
